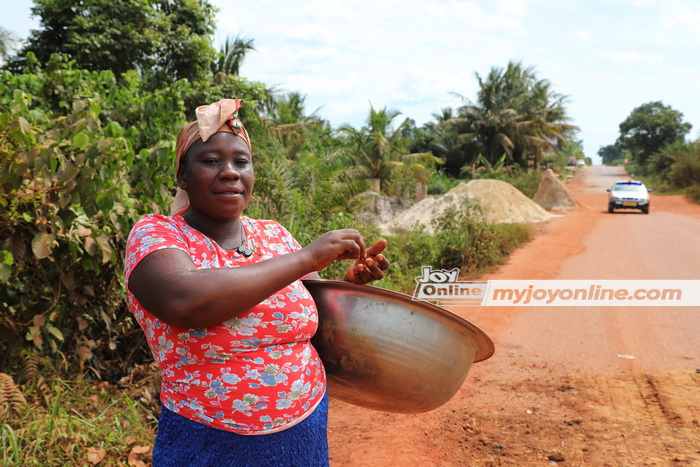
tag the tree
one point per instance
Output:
(232, 54)
(515, 113)
(164, 39)
(288, 122)
(183, 43)
(611, 153)
(649, 128)
(7, 42)
(377, 146)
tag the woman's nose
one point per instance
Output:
(229, 170)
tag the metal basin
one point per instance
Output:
(385, 351)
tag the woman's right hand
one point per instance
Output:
(333, 245)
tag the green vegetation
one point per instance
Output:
(77, 423)
(87, 132)
(652, 141)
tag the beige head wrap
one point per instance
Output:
(211, 119)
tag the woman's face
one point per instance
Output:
(218, 176)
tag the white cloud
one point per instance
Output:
(688, 17)
(633, 57)
(581, 35)
(513, 7)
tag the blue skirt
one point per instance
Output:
(184, 442)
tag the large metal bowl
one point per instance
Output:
(385, 351)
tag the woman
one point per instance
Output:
(225, 314)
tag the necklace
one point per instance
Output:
(243, 248)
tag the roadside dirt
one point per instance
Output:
(578, 386)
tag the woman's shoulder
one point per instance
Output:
(159, 219)
(272, 232)
(158, 223)
(267, 227)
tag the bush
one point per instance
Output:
(82, 157)
(685, 171)
(527, 181)
(693, 193)
(459, 242)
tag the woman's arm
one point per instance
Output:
(169, 286)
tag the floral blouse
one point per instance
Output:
(253, 374)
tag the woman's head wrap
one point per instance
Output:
(211, 119)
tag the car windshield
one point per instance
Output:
(628, 187)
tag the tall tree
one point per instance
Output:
(232, 54)
(649, 128)
(288, 123)
(610, 153)
(184, 42)
(515, 113)
(7, 42)
(164, 39)
(378, 145)
(378, 148)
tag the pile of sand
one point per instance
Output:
(552, 193)
(375, 208)
(490, 201)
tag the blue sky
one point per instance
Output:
(607, 56)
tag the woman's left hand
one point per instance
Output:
(370, 268)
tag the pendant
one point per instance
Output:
(245, 251)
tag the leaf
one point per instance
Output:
(91, 246)
(34, 335)
(39, 320)
(134, 458)
(95, 455)
(106, 248)
(84, 353)
(23, 125)
(82, 324)
(42, 245)
(83, 231)
(54, 331)
(6, 261)
(81, 141)
(113, 130)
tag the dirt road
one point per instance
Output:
(570, 386)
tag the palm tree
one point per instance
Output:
(515, 113)
(377, 148)
(446, 114)
(8, 41)
(232, 54)
(288, 122)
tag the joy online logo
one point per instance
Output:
(443, 286)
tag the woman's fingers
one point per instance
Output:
(377, 248)
(337, 244)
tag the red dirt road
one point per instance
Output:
(570, 386)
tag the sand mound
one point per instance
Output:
(375, 208)
(490, 201)
(552, 193)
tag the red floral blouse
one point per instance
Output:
(253, 374)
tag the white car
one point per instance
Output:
(630, 194)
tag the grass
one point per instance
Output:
(460, 242)
(78, 423)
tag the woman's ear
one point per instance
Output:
(181, 176)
